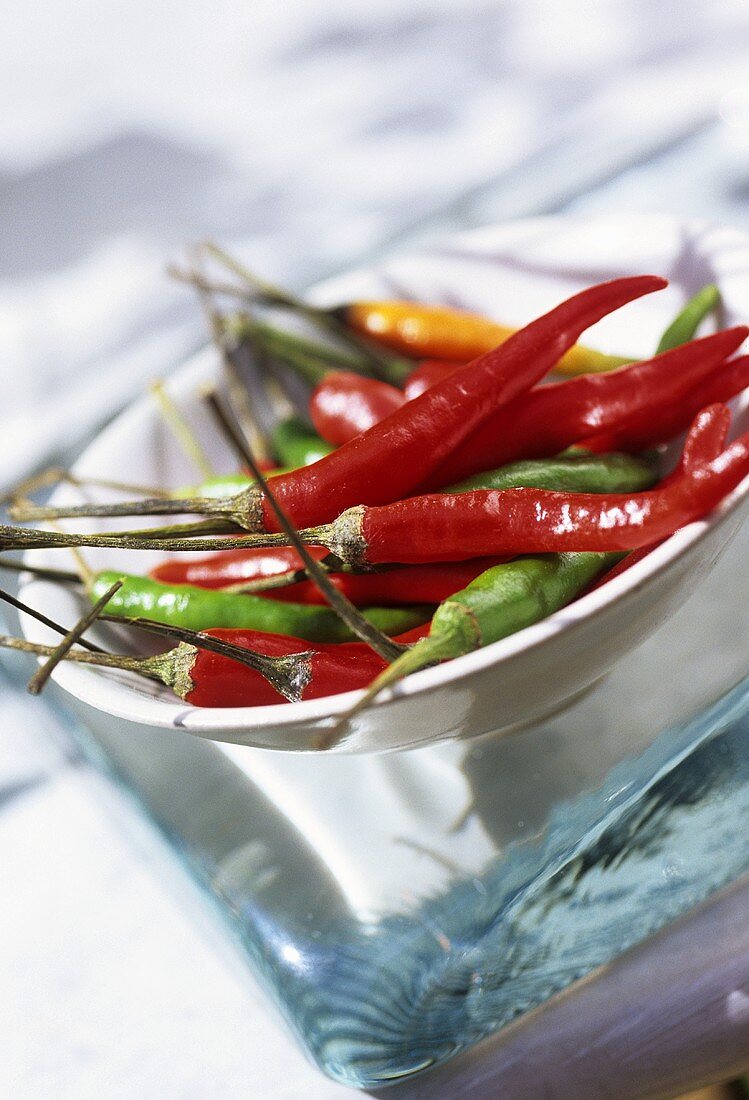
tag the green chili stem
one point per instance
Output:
(27, 610)
(501, 601)
(156, 506)
(205, 393)
(289, 674)
(201, 282)
(311, 360)
(108, 483)
(237, 390)
(51, 476)
(144, 666)
(181, 430)
(387, 366)
(30, 538)
(42, 675)
(427, 651)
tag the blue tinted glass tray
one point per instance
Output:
(401, 907)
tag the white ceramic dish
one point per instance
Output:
(515, 272)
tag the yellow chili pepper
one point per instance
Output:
(438, 332)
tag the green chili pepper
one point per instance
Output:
(202, 609)
(296, 444)
(574, 471)
(503, 600)
(684, 326)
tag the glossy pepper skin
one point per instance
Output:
(681, 330)
(704, 443)
(428, 374)
(387, 462)
(519, 521)
(233, 566)
(669, 418)
(422, 584)
(201, 609)
(216, 681)
(345, 404)
(553, 417)
(438, 332)
(219, 682)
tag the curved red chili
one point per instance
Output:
(398, 454)
(706, 440)
(553, 417)
(344, 404)
(669, 418)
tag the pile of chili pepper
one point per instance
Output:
(472, 499)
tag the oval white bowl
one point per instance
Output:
(514, 272)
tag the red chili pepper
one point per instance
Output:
(430, 583)
(387, 462)
(428, 374)
(553, 417)
(669, 418)
(233, 566)
(705, 441)
(446, 527)
(220, 682)
(415, 584)
(345, 404)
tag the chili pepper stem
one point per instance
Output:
(31, 611)
(244, 508)
(28, 538)
(145, 666)
(391, 368)
(181, 430)
(44, 573)
(108, 483)
(237, 391)
(188, 530)
(44, 480)
(42, 675)
(288, 675)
